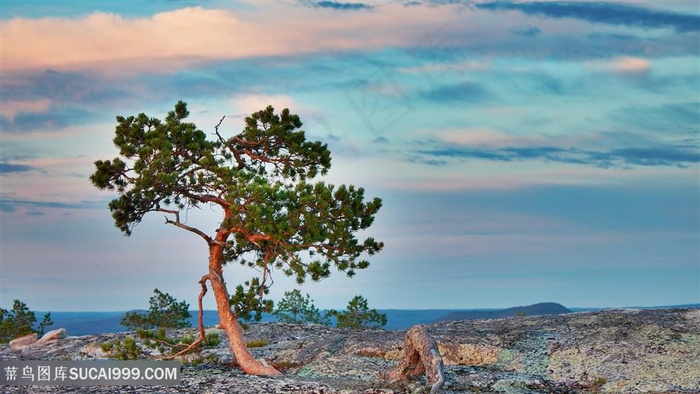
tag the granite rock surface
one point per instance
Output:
(612, 351)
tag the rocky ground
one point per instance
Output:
(615, 351)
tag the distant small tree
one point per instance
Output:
(295, 308)
(164, 312)
(358, 315)
(46, 322)
(19, 321)
(247, 304)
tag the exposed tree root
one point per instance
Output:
(420, 355)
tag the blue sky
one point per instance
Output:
(525, 151)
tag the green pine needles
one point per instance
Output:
(273, 216)
(295, 308)
(164, 312)
(19, 321)
(358, 315)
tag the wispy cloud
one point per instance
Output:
(460, 92)
(669, 117)
(10, 204)
(459, 67)
(250, 103)
(342, 6)
(603, 12)
(10, 109)
(107, 38)
(624, 65)
(526, 31)
(499, 147)
(47, 100)
(174, 40)
(6, 168)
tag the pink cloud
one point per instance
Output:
(100, 38)
(170, 40)
(10, 109)
(255, 102)
(482, 137)
(624, 65)
(631, 65)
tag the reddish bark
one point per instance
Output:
(228, 320)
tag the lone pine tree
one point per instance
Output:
(272, 216)
(358, 315)
(296, 308)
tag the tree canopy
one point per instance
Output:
(258, 178)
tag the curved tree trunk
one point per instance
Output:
(228, 320)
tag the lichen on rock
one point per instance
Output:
(612, 351)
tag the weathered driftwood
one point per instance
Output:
(420, 355)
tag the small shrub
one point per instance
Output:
(257, 343)
(284, 365)
(125, 349)
(212, 339)
(597, 384)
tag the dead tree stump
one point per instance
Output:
(420, 355)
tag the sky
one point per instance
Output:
(524, 151)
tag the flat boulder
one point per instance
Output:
(18, 344)
(52, 335)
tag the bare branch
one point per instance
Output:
(202, 336)
(216, 129)
(179, 224)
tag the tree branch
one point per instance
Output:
(216, 129)
(202, 336)
(179, 224)
(206, 198)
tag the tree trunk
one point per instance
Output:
(420, 355)
(228, 320)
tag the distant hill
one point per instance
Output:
(86, 323)
(545, 308)
(90, 323)
(402, 319)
